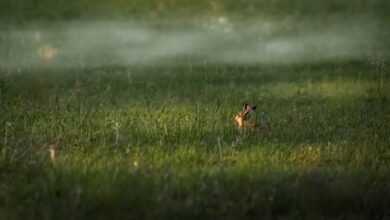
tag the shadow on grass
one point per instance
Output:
(69, 191)
(164, 113)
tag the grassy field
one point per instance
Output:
(139, 97)
(159, 142)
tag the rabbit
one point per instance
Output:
(242, 118)
(247, 119)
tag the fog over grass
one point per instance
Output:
(217, 40)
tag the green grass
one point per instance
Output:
(159, 142)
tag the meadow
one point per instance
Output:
(139, 99)
(159, 142)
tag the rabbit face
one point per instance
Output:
(241, 119)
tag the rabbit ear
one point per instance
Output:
(245, 107)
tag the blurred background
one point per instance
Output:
(118, 32)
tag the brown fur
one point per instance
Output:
(242, 121)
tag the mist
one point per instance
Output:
(217, 40)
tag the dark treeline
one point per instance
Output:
(41, 10)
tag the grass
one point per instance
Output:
(159, 142)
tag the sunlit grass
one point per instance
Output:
(345, 88)
(154, 142)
